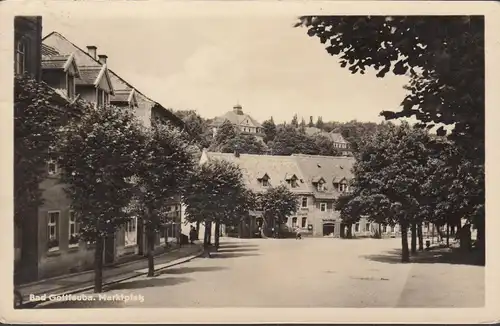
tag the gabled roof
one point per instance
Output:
(48, 50)
(123, 96)
(61, 44)
(58, 61)
(318, 179)
(94, 76)
(254, 167)
(236, 119)
(337, 137)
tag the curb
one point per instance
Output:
(30, 304)
(21, 286)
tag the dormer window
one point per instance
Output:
(320, 186)
(343, 187)
(292, 181)
(319, 183)
(264, 180)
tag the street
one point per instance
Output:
(313, 272)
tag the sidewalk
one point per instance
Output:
(78, 282)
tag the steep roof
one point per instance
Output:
(337, 137)
(255, 167)
(57, 41)
(236, 119)
(332, 169)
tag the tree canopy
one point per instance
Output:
(443, 56)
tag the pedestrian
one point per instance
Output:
(298, 235)
(192, 234)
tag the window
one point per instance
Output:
(105, 98)
(393, 228)
(322, 207)
(321, 186)
(73, 236)
(294, 222)
(53, 236)
(265, 182)
(131, 232)
(52, 167)
(20, 59)
(367, 227)
(356, 227)
(343, 187)
(304, 202)
(99, 97)
(70, 85)
(304, 222)
(384, 229)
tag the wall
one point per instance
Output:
(30, 27)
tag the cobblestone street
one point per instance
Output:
(313, 272)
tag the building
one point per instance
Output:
(338, 140)
(316, 180)
(74, 73)
(242, 122)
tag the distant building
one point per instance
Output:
(242, 122)
(316, 180)
(338, 141)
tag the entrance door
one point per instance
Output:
(328, 229)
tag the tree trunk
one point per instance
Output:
(413, 238)
(405, 254)
(98, 263)
(151, 249)
(197, 230)
(447, 235)
(420, 237)
(140, 236)
(209, 236)
(349, 231)
(380, 230)
(342, 230)
(206, 234)
(217, 234)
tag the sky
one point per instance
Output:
(211, 63)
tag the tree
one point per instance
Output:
(225, 133)
(166, 164)
(216, 194)
(302, 126)
(247, 144)
(444, 58)
(295, 121)
(277, 204)
(197, 126)
(99, 154)
(389, 171)
(319, 123)
(290, 141)
(38, 114)
(311, 123)
(325, 145)
(269, 129)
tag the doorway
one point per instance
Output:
(328, 229)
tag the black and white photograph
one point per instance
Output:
(247, 159)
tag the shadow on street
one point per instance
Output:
(225, 249)
(439, 256)
(187, 270)
(231, 254)
(243, 245)
(150, 282)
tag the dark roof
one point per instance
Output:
(54, 61)
(88, 75)
(48, 50)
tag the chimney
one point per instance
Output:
(238, 109)
(92, 50)
(103, 58)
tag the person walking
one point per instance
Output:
(298, 235)
(192, 234)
